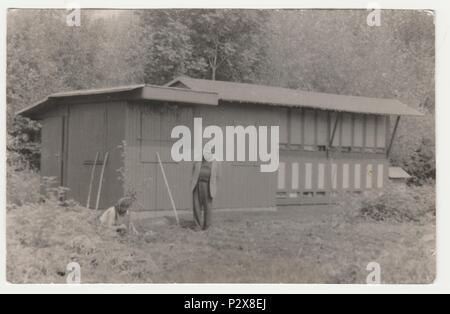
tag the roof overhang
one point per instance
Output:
(133, 92)
(186, 90)
(277, 96)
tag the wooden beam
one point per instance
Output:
(388, 152)
(88, 202)
(336, 121)
(331, 139)
(99, 191)
(168, 189)
(316, 114)
(289, 126)
(303, 119)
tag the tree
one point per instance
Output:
(168, 47)
(23, 144)
(45, 55)
(232, 41)
(214, 44)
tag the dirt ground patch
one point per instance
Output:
(292, 245)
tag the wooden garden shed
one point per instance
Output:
(330, 145)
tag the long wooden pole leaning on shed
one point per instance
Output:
(168, 189)
(88, 202)
(100, 185)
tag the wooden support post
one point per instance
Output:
(168, 189)
(100, 185)
(330, 143)
(388, 152)
(88, 202)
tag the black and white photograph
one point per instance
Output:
(235, 146)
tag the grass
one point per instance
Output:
(294, 245)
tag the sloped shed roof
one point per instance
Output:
(250, 93)
(206, 92)
(132, 92)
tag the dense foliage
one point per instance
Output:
(397, 204)
(319, 50)
(23, 144)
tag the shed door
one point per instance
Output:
(157, 123)
(52, 148)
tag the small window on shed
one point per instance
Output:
(346, 149)
(294, 195)
(308, 176)
(281, 176)
(380, 176)
(295, 175)
(281, 194)
(334, 174)
(345, 176)
(369, 176)
(321, 176)
(357, 178)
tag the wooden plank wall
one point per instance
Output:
(148, 127)
(311, 177)
(52, 134)
(356, 162)
(242, 185)
(49, 134)
(148, 131)
(312, 127)
(92, 128)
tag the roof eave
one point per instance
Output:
(404, 111)
(37, 107)
(409, 112)
(138, 92)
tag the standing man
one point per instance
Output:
(204, 188)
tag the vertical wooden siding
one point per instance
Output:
(356, 163)
(96, 127)
(241, 185)
(54, 141)
(312, 127)
(52, 134)
(148, 131)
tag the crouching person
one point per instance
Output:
(117, 217)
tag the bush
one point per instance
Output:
(23, 144)
(414, 149)
(421, 164)
(23, 187)
(396, 204)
